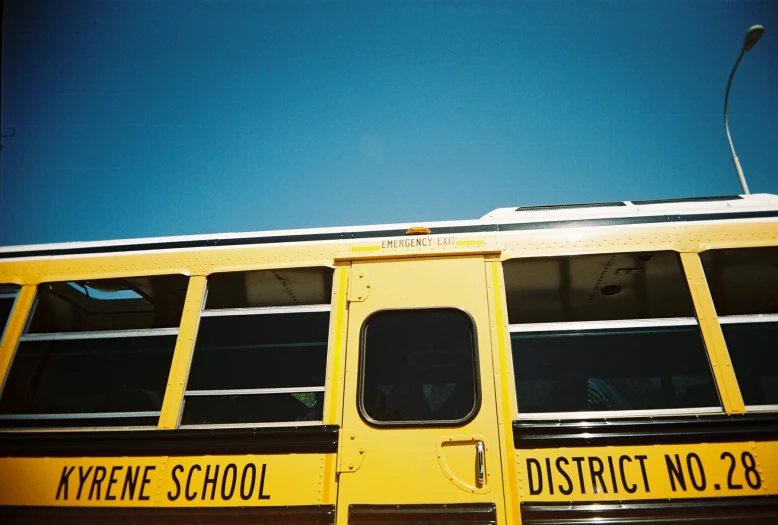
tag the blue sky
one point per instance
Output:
(171, 117)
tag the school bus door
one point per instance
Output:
(419, 432)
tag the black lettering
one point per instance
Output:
(752, 474)
(550, 479)
(578, 462)
(569, 489)
(730, 485)
(629, 488)
(130, 482)
(190, 496)
(613, 475)
(642, 459)
(675, 471)
(246, 494)
(692, 477)
(597, 474)
(111, 482)
(64, 479)
(231, 467)
(262, 494)
(210, 481)
(531, 462)
(82, 479)
(174, 474)
(97, 481)
(146, 481)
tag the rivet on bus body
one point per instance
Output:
(351, 466)
(352, 436)
(361, 451)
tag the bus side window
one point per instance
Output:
(260, 356)
(8, 294)
(95, 353)
(744, 285)
(606, 333)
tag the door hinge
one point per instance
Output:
(359, 286)
(352, 452)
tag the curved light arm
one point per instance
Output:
(735, 160)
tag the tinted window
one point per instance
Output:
(266, 408)
(261, 351)
(744, 285)
(752, 348)
(109, 304)
(264, 288)
(743, 281)
(96, 353)
(88, 375)
(418, 366)
(606, 332)
(613, 369)
(596, 287)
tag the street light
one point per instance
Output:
(753, 35)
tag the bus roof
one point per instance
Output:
(754, 206)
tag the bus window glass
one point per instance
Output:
(265, 288)
(261, 355)
(92, 358)
(744, 285)
(7, 297)
(606, 333)
(418, 367)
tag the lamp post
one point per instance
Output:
(753, 35)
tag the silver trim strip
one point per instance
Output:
(761, 408)
(270, 345)
(254, 391)
(601, 325)
(621, 413)
(8, 295)
(108, 334)
(266, 310)
(64, 430)
(84, 415)
(258, 425)
(758, 318)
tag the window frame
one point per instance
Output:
(8, 294)
(731, 319)
(749, 319)
(251, 311)
(579, 326)
(419, 424)
(25, 336)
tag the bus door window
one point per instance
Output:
(419, 367)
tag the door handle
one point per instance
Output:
(480, 465)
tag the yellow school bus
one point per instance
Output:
(610, 362)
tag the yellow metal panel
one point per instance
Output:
(681, 237)
(712, 335)
(401, 465)
(182, 356)
(13, 329)
(206, 481)
(503, 365)
(704, 470)
(335, 372)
